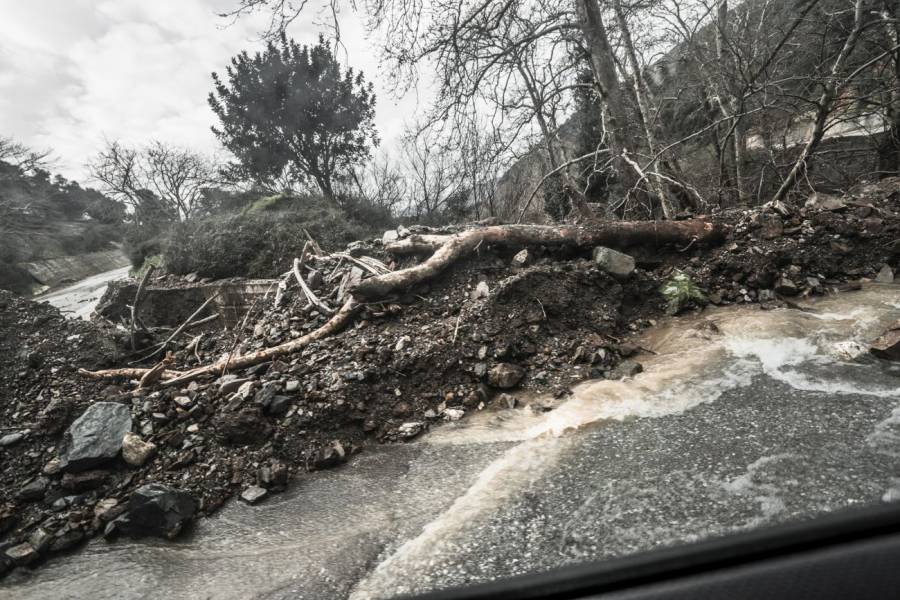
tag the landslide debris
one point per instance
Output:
(494, 324)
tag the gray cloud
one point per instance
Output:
(76, 72)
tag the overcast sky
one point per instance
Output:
(76, 72)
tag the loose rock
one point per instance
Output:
(136, 451)
(95, 437)
(505, 375)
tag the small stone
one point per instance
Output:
(34, 490)
(410, 430)
(254, 494)
(105, 509)
(13, 438)
(136, 451)
(614, 262)
(390, 236)
(83, 481)
(230, 383)
(155, 509)
(521, 259)
(453, 414)
(626, 368)
(505, 375)
(40, 539)
(66, 540)
(183, 401)
(291, 386)
(481, 291)
(23, 554)
(278, 406)
(786, 287)
(885, 275)
(507, 400)
(402, 343)
(766, 296)
(401, 409)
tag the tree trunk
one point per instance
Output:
(603, 66)
(832, 87)
(642, 95)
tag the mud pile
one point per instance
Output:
(499, 330)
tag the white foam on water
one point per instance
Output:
(781, 357)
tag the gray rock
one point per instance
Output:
(67, 539)
(410, 430)
(885, 275)
(156, 510)
(292, 386)
(613, 262)
(278, 406)
(229, 384)
(766, 295)
(136, 451)
(254, 494)
(786, 287)
(819, 201)
(481, 291)
(390, 236)
(626, 368)
(95, 437)
(13, 438)
(40, 539)
(505, 375)
(521, 258)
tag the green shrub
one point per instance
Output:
(260, 241)
(15, 279)
(680, 291)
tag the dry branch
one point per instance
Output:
(138, 296)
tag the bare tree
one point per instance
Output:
(156, 177)
(21, 156)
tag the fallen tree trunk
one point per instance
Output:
(449, 248)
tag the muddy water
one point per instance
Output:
(78, 300)
(743, 418)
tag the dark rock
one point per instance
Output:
(155, 510)
(277, 406)
(888, 345)
(626, 368)
(67, 539)
(82, 482)
(245, 427)
(505, 375)
(401, 409)
(95, 437)
(34, 490)
(330, 456)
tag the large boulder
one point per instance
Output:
(95, 437)
(157, 510)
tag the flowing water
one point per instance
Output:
(744, 417)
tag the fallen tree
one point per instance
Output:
(447, 249)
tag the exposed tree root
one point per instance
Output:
(449, 248)
(446, 250)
